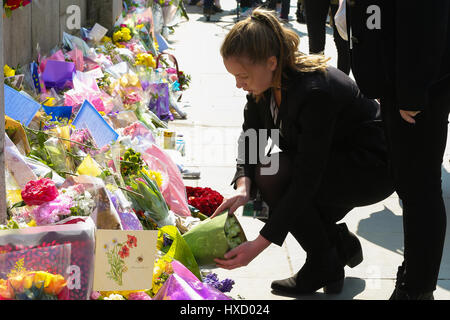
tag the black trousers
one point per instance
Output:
(285, 7)
(416, 151)
(316, 16)
(348, 182)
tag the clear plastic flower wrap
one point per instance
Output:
(78, 232)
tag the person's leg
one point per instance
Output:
(309, 230)
(285, 7)
(342, 46)
(416, 152)
(316, 16)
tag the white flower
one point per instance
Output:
(114, 296)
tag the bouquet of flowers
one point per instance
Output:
(24, 274)
(204, 199)
(212, 238)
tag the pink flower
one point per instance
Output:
(171, 71)
(139, 296)
(95, 295)
(50, 212)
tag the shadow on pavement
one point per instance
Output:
(352, 287)
(380, 223)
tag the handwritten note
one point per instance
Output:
(19, 107)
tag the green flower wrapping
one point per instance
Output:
(212, 238)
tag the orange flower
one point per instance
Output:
(16, 282)
(57, 283)
(6, 291)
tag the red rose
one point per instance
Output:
(39, 191)
(125, 252)
(15, 4)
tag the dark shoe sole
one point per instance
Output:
(330, 288)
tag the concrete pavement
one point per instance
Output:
(211, 132)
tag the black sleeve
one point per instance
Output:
(317, 122)
(420, 40)
(248, 142)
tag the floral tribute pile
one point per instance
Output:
(89, 153)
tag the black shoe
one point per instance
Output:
(324, 272)
(208, 11)
(217, 9)
(402, 294)
(348, 246)
(399, 282)
(400, 291)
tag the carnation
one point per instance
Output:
(50, 212)
(37, 192)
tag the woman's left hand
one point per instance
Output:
(243, 254)
(408, 116)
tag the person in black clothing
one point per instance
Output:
(400, 54)
(333, 152)
(316, 16)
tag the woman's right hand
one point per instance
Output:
(240, 198)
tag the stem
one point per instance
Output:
(125, 189)
(53, 136)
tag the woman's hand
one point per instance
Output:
(408, 116)
(240, 198)
(243, 254)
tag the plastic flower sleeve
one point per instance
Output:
(183, 285)
(35, 274)
(212, 238)
(178, 249)
(104, 214)
(79, 232)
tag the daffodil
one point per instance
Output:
(8, 71)
(117, 36)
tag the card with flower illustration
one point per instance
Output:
(124, 259)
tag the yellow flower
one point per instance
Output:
(140, 26)
(42, 278)
(50, 102)
(117, 36)
(32, 223)
(28, 280)
(8, 71)
(155, 176)
(106, 39)
(146, 59)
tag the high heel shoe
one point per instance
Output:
(348, 246)
(323, 271)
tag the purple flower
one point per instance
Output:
(223, 286)
(166, 240)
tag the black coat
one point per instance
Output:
(399, 49)
(321, 113)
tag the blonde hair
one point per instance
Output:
(261, 36)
